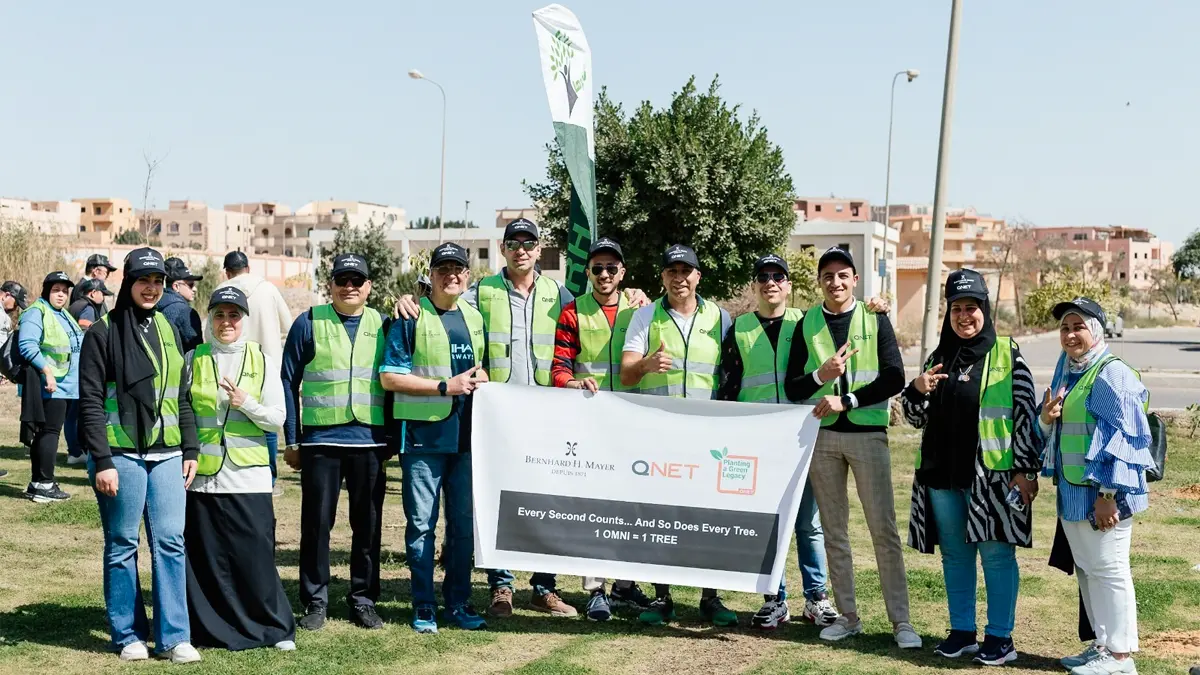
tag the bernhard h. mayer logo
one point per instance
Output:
(562, 55)
(571, 447)
(738, 474)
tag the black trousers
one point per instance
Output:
(322, 469)
(45, 442)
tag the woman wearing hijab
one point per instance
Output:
(1097, 436)
(137, 424)
(235, 598)
(49, 340)
(976, 405)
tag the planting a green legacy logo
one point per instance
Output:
(738, 474)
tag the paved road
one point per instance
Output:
(1169, 359)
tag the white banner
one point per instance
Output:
(566, 69)
(626, 486)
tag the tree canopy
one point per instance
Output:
(371, 243)
(1186, 260)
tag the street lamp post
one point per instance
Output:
(912, 74)
(417, 75)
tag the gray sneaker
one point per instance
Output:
(1106, 665)
(1085, 657)
(46, 495)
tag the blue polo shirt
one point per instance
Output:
(452, 434)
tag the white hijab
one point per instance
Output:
(1098, 349)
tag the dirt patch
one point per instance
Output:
(1175, 643)
(1189, 492)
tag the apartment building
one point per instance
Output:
(49, 217)
(194, 225)
(103, 218)
(833, 209)
(280, 231)
(1124, 255)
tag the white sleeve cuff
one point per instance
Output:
(817, 377)
(853, 400)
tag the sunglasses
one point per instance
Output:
(349, 280)
(513, 244)
(447, 270)
(777, 277)
(611, 268)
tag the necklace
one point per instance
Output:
(965, 375)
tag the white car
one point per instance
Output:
(1115, 327)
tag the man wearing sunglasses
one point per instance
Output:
(335, 430)
(175, 303)
(587, 355)
(673, 348)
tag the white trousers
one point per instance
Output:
(1102, 568)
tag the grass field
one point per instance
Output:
(52, 608)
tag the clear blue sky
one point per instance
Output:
(309, 100)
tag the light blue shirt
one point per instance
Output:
(29, 341)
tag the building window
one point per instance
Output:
(483, 253)
(854, 210)
(173, 228)
(287, 232)
(266, 232)
(96, 210)
(1081, 236)
(817, 208)
(197, 228)
(83, 209)
(121, 210)
(83, 228)
(549, 260)
(1122, 275)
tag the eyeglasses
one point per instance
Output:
(353, 280)
(448, 270)
(611, 268)
(777, 277)
(190, 284)
(513, 244)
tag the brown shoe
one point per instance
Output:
(552, 605)
(501, 606)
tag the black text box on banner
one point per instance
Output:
(659, 534)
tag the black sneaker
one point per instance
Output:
(773, 613)
(365, 616)
(3, 473)
(712, 609)
(46, 495)
(661, 611)
(314, 617)
(996, 651)
(956, 644)
(630, 598)
(598, 608)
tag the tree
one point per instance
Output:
(1063, 286)
(371, 243)
(427, 223)
(152, 163)
(1186, 260)
(690, 173)
(1171, 288)
(130, 238)
(211, 271)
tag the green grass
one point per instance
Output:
(52, 609)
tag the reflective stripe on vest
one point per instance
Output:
(496, 308)
(120, 429)
(1077, 425)
(431, 359)
(861, 369)
(56, 344)
(693, 372)
(764, 366)
(341, 383)
(601, 345)
(239, 439)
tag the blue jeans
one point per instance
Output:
(71, 429)
(153, 492)
(810, 548)
(272, 453)
(425, 477)
(1000, 576)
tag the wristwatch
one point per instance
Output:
(846, 402)
(1031, 476)
(1109, 495)
(442, 388)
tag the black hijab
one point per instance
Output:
(951, 439)
(132, 366)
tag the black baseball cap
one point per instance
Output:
(88, 285)
(351, 263)
(229, 295)
(965, 283)
(16, 290)
(836, 253)
(99, 260)
(236, 260)
(521, 225)
(680, 253)
(177, 270)
(771, 260)
(1082, 305)
(606, 245)
(144, 261)
(449, 252)
(57, 278)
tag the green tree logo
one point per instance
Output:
(561, 54)
(719, 455)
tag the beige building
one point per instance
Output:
(1123, 255)
(49, 217)
(280, 231)
(103, 218)
(194, 225)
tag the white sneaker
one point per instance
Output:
(771, 615)
(1093, 652)
(76, 461)
(1105, 664)
(285, 646)
(906, 637)
(841, 629)
(820, 612)
(135, 651)
(183, 652)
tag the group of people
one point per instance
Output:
(353, 387)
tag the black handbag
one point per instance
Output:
(12, 364)
(1158, 448)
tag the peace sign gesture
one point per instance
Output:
(1052, 407)
(835, 367)
(928, 380)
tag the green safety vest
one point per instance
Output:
(238, 438)
(601, 345)
(121, 431)
(56, 344)
(1076, 425)
(693, 372)
(341, 383)
(431, 360)
(862, 369)
(764, 366)
(995, 408)
(496, 308)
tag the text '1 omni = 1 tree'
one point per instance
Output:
(691, 173)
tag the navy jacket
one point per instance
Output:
(183, 318)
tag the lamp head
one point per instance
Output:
(912, 73)
(417, 75)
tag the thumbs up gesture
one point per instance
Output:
(835, 367)
(660, 361)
